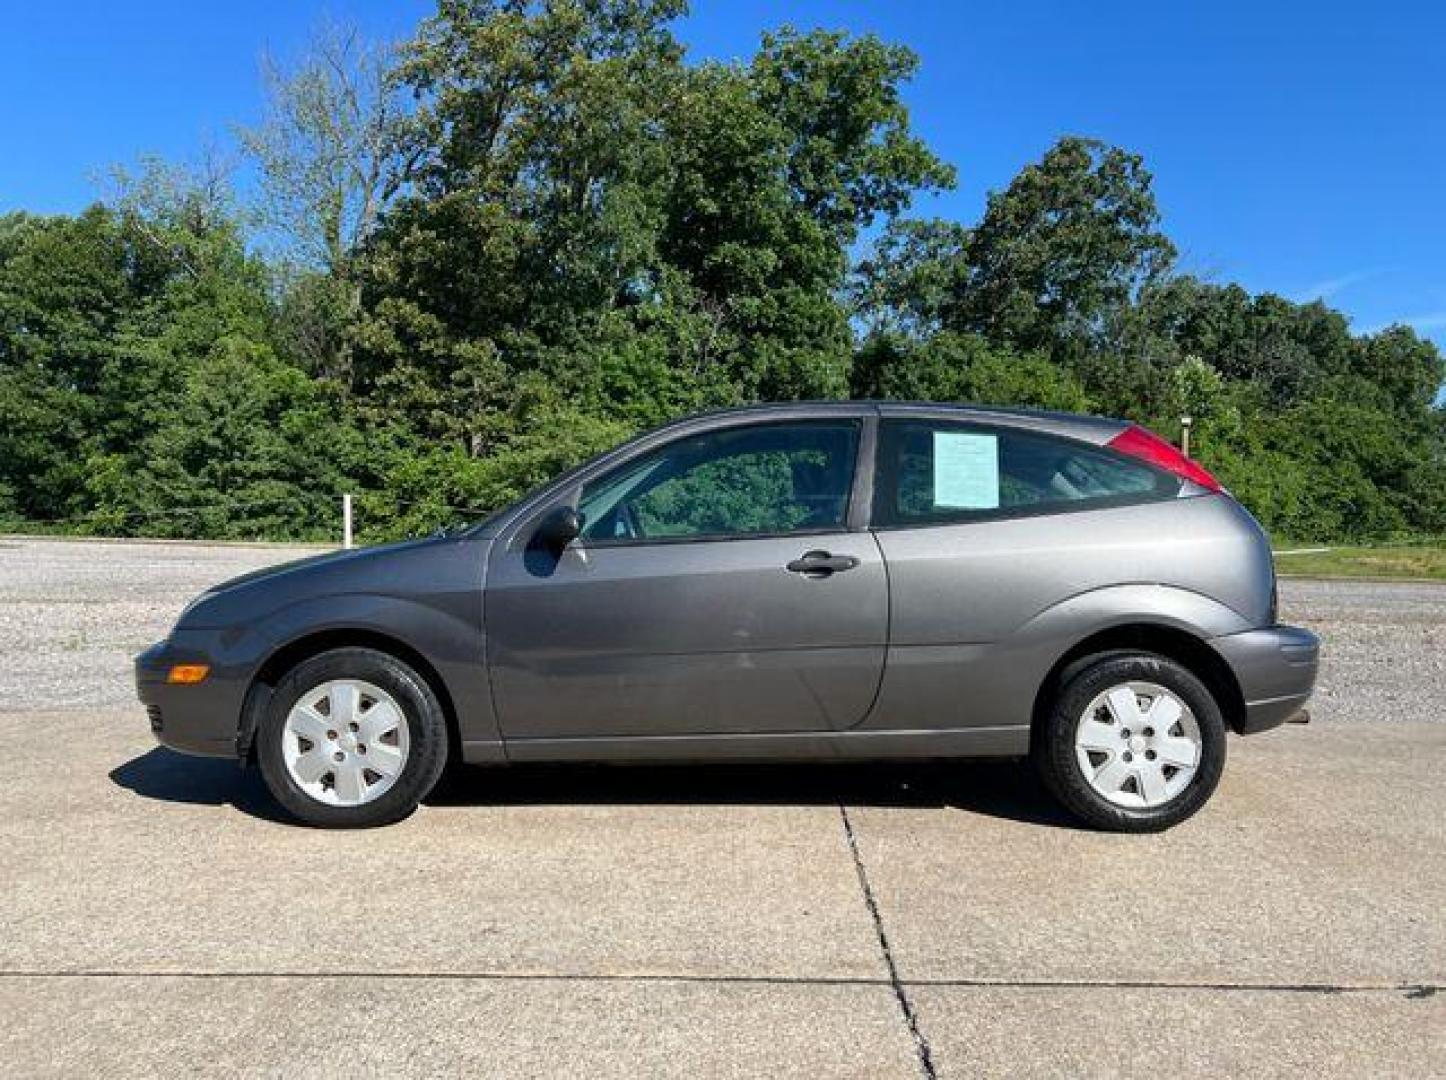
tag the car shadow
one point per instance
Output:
(166, 776)
(1002, 789)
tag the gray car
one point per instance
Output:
(816, 582)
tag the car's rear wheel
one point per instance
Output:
(352, 738)
(1133, 742)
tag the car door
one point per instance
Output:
(983, 528)
(717, 587)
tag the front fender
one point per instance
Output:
(450, 643)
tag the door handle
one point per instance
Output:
(822, 564)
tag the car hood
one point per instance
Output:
(252, 594)
(292, 567)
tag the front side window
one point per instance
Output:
(934, 472)
(757, 480)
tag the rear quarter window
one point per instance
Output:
(935, 472)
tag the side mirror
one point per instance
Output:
(558, 529)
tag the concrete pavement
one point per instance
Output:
(1320, 860)
(323, 1027)
(717, 921)
(1148, 1031)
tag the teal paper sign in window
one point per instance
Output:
(966, 471)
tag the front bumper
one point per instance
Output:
(201, 718)
(1276, 669)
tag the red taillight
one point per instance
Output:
(1147, 446)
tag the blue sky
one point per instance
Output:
(1297, 147)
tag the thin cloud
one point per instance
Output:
(1324, 290)
(1433, 320)
(1430, 320)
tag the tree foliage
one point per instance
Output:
(534, 228)
(1063, 251)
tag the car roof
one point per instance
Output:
(1095, 429)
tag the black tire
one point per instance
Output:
(1055, 756)
(426, 732)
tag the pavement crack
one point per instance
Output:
(1411, 990)
(1415, 991)
(901, 995)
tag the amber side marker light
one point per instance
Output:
(187, 674)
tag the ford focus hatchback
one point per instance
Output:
(816, 582)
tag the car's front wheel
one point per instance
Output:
(1133, 742)
(352, 738)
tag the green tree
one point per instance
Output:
(593, 221)
(910, 276)
(249, 448)
(1288, 349)
(1063, 251)
(1408, 370)
(65, 286)
(964, 368)
(137, 376)
(333, 150)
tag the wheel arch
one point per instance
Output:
(1185, 648)
(297, 651)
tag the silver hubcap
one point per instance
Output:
(1138, 745)
(345, 742)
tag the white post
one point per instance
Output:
(346, 520)
(1185, 424)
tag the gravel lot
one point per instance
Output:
(73, 614)
(1384, 646)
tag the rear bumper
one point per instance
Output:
(1276, 669)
